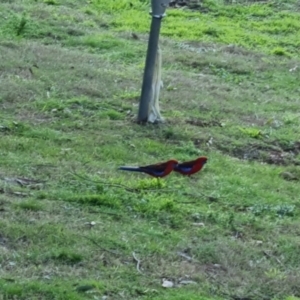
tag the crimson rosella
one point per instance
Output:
(156, 170)
(191, 167)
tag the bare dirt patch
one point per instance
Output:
(270, 152)
(204, 123)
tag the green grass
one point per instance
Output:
(270, 27)
(74, 227)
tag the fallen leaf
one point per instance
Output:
(134, 36)
(187, 257)
(167, 283)
(90, 224)
(20, 194)
(198, 224)
(186, 282)
(293, 69)
(288, 176)
(84, 288)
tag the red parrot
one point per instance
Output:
(191, 167)
(156, 170)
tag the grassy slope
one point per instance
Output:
(70, 82)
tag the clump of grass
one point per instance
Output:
(32, 205)
(152, 183)
(14, 127)
(114, 115)
(51, 2)
(152, 205)
(283, 210)
(18, 26)
(67, 257)
(188, 148)
(252, 132)
(280, 51)
(101, 42)
(36, 288)
(21, 26)
(97, 200)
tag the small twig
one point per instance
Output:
(210, 198)
(133, 190)
(20, 238)
(186, 202)
(110, 213)
(159, 190)
(15, 193)
(272, 256)
(103, 249)
(138, 262)
(185, 256)
(108, 184)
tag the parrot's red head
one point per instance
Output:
(202, 159)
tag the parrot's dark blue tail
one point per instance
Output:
(133, 169)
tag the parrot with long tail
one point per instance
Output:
(156, 170)
(191, 167)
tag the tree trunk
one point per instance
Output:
(154, 115)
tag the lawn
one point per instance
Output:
(72, 226)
